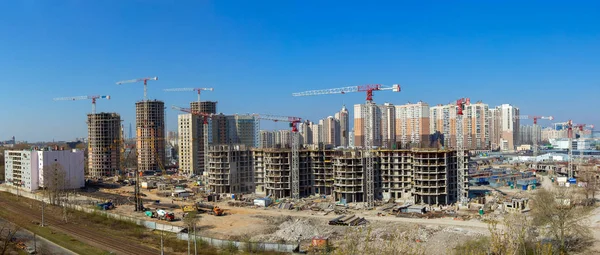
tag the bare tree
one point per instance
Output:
(588, 176)
(557, 215)
(7, 233)
(54, 182)
(190, 220)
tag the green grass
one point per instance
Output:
(66, 241)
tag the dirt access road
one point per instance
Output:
(93, 237)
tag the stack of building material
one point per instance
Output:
(348, 220)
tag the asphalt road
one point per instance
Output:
(42, 245)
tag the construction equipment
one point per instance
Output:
(367, 115)
(189, 89)
(205, 117)
(295, 168)
(145, 80)
(211, 209)
(83, 98)
(460, 151)
(106, 206)
(535, 120)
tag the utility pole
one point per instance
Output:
(195, 244)
(43, 205)
(162, 249)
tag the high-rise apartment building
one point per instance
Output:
(509, 127)
(104, 144)
(476, 126)
(189, 145)
(150, 134)
(388, 125)
(443, 120)
(283, 138)
(306, 135)
(359, 125)
(530, 133)
(267, 139)
(317, 132)
(330, 131)
(230, 169)
(413, 124)
(344, 122)
(495, 124)
(235, 129)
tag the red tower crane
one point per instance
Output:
(368, 128)
(199, 90)
(83, 98)
(295, 168)
(145, 80)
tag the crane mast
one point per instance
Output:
(295, 166)
(367, 115)
(460, 150)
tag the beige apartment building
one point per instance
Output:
(413, 124)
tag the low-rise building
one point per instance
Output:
(35, 169)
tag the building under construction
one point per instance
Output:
(104, 144)
(204, 107)
(276, 164)
(230, 169)
(150, 133)
(426, 176)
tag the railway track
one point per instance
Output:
(92, 237)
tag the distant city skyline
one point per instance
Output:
(539, 56)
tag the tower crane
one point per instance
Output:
(460, 150)
(535, 120)
(83, 98)
(367, 115)
(199, 90)
(205, 116)
(295, 168)
(145, 80)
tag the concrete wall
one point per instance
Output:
(72, 163)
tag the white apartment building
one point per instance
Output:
(267, 139)
(283, 138)
(344, 122)
(27, 169)
(509, 127)
(388, 125)
(189, 144)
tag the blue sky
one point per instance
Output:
(541, 56)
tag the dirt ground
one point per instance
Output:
(291, 226)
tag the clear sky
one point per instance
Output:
(542, 56)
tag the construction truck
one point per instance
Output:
(211, 209)
(164, 215)
(190, 208)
